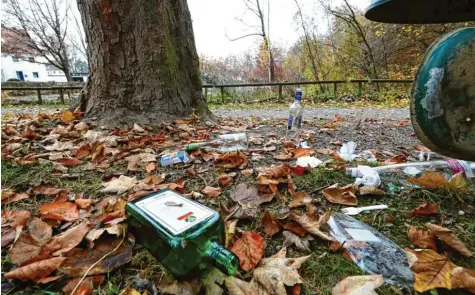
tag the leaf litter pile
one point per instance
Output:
(65, 184)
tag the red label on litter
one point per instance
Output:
(185, 215)
(455, 166)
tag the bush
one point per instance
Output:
(13, 80)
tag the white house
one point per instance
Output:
(23, 69)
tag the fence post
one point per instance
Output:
(280, 91)
(38, 92)
(335, 89)
(360, 90)
(206, 94)
(61, 95)
(222, 94)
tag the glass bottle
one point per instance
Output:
(222, 143)
(182, 234)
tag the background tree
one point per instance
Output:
(143, 62)
(255, 8)
(44, 25)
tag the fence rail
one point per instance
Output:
(335, 83)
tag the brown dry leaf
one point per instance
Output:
(67, 240)
(211, 191)
(344, 195)
(155, 179)
(225, 180)
(311, 223)
(14, 218)
(302, 243)
(67, 116)
(35, 270)
(92, 281)
(457, 181)
(248, 196)
(29, 243)
(83, 203)
(364, 285)
(433, 270)
(301, 199)
(283, 156)
(294, 227)
(421, 238)
(212, 282)
(425, 209)
(59, 167)
(60, 211)
(371, 190)
(277, 271)
(231, 160)
(325, 151)
(80, 260)
(150, 167)
(449, 238)
(170, 285)
(69, 162)
(247, 172)
(249, 249)
(8, 236)
(430, 180)
(230, 231)
(270, 226)
(83, 151)
(9, 196)
(396, 160)
(302, 152)
(236, 286)
(95, 233)
(119, 185)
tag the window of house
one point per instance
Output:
(15, 59)
(36, 75)
(31, 59)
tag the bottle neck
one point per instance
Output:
(222, 258)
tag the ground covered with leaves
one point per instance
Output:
(65, 184)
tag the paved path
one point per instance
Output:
(323, 113)
(282, 113)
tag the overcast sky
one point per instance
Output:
(216, 20)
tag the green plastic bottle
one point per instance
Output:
(182, 234)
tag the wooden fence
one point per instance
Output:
(280, 85)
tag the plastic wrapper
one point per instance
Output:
(371, 251)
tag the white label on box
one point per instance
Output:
(362, 235)
(174, 212)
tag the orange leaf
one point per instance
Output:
(344, 195)
(301, 152)
(270, 226)
(247, 172)
(425, 209)
(60, 211)
(191, 171)
(249, 249)
(69, 162)
(14, 218)
(449, 238)
(431, 180)
(83, 151)
(232, 160)
(433, 270)
(325, 151)
(294, 227)
(151, 166)
(83, 203)
(211, 191)
(422, 148)
(93, 281)
(283, 156)
(67, 116)
(225, 180)
(421, 238)
(9, 196)
(396, 160)
(35, 270)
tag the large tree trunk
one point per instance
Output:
(143, 63)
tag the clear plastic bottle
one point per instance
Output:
(295, 116)
(222, 143)
(456, 166)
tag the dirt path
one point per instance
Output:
(320, 113)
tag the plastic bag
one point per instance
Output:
(372, 251)
(308, 161)
(365, 175)
(347, 151)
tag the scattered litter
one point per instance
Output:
(308, 161)
(371, 251)
(412, 171)
(174, 158)
(364, 175)
(347, 151)
(356, 211)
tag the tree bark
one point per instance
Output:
(143, 62)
